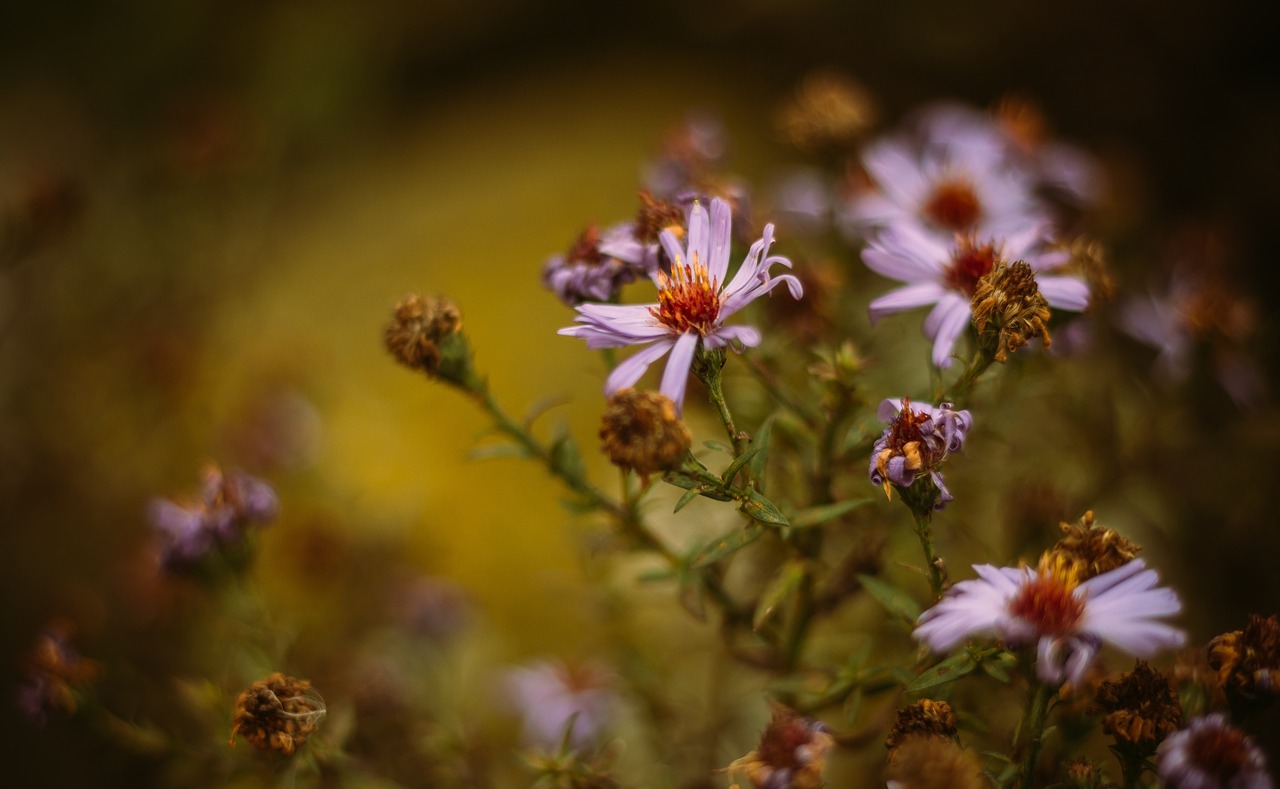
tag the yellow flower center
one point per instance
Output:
(1048, 602)
(688, 298)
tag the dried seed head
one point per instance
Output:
(1140, 709)
(424, 334)
(934, 763)
(791, 755)
(1082, 774)
(829, 110)
(277, 713)
(1247, 661)
(925, 718)
(641, 431)
(1008, 301)
(1096, 549)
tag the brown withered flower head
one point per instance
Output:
(1082, 774)
(934, 763)
(642, 432)
(1009, 309)
(1247, 662)
(1096, 549)
(656, 215)
(925, 718)
(829, 110)
(53, 674)
(424, 335)
(278, 713)
(791, 755)
(1139, 709)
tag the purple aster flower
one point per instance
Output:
(53, 675)
(946, 275)
(693, 303)
(1067, 619)
(228, 505)
(946, 177)
(548, 694)
(917, 439)
(1212, 754)
(598, 264)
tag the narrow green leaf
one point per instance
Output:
(656, 575)
(895, 601)
(689, 495)
(949, 670)
(759, 508)
(728, 544)
(998, 665)
(718, 447)
(502, 450)
(737, 464)
(816, 516)
(565, 456)
(784, 584)
(762, 440)
(690, 482)
(541, 407)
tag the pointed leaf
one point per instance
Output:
(718, 447)
(733, 541)
(690, 482)
(737, 464)
(541, 407)
(565, 456)
(762, 440)
(895, 601)
(759, 508)
(949, 670)
(816, 516)
(998, 665)
(784, 584)
(689, 495)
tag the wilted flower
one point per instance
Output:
(1139, 709)
(791, 754)
(1095, 549)
(947, 274)
(947, 177)
(53, 674)
(278, 713)
(1008, 302)
(433, 607)
(926, 718)
(642, 432)
(914, 444)
(693, 302)
(1210, 753)
(1068, 619)
(934, 763)
(587, 272)
(228, 505)
(426, 334)
(1248, 661)
(551, 695)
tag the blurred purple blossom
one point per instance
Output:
(548, 694)
(228, 505)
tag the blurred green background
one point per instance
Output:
(230, 196)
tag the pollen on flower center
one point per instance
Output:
(688, 298)
(953, 204)
(1048, 602)
(970, 263)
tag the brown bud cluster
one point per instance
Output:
(1096, 549)
(278, 713)
(792, 753)
(828, 111)
(1139, 709)
(641, 431)
(1247, 661)
(925, 718)
(1009, 301)
(417, 328)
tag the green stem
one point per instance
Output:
(924, 532)
(715, 392)
(977, 365)
(1032, 730)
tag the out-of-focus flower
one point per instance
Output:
(1082, 774)
(913, 446)
(1210, 753)
(278, 713)
(228, 505)
(791, 754)
(946, 274)
(1095, 549)
(641, 431)
(587, 272)
(926, 718)
(828, 110)
(53, 675)
(549, 695)
(933, 763)
(426, 334)
(693, 303)
(1068, 171)
(945, 177)
(1066, 618)
(1139, 710)
(1248, 662)
(433, 607)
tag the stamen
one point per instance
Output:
(1048, 602)
(688, 298)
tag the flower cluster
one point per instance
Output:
(918, 438)
(228, 505)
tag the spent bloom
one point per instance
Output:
(1210, 753)
(278, 713)
(946, 273)
(549, 694)
(227, 506)
(914, 444)
(54, 674)
(791, 754)
(1247, 662)
(1067, 619)
(694, 300)
(592, 269)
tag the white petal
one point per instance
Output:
(627, 373)
(1064, 293)
(676, 377)
(909, 297)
